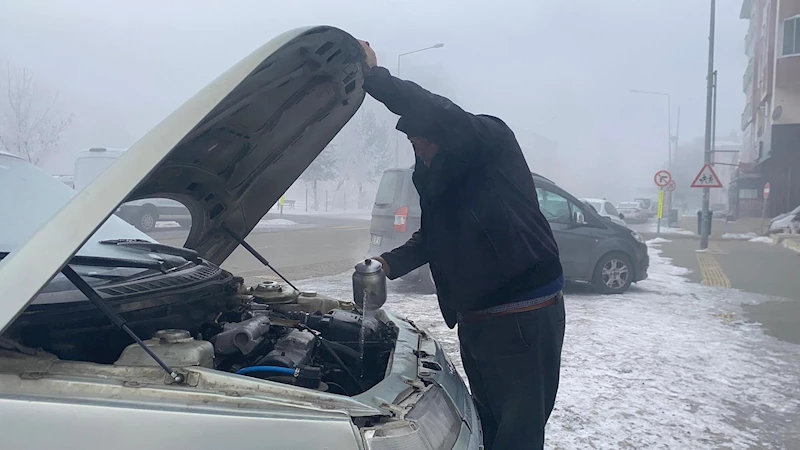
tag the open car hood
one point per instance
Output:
(228, 154)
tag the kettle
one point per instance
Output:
(369, 285)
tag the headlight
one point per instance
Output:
(638, 237)
(432, 424)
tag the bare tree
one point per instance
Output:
(29, 127)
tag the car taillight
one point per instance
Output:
(400, 219)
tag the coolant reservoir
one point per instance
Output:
(176, 347)
(369, 285)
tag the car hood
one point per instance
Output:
(228, 154)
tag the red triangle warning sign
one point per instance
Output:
(707, 178)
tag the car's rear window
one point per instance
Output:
(388, 188)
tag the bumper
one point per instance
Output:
(642, 264)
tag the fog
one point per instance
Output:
(563, 71)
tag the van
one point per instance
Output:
(593, 249)
(143, 214)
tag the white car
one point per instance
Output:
(786, 223)
(633, 212)
(112, 340)
(606, 209)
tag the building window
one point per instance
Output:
(748, 194)
(791, 36)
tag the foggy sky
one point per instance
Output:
(563, 69)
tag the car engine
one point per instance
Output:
(270, 331)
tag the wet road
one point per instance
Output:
(314, 246)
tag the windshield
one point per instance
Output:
(30, 197)
(387, 188)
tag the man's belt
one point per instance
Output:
(478, 315)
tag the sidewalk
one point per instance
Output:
(738, 258)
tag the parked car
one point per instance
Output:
(606, 209)
(634, 212)
(649, 205)
(244, 367)
(144, 214)
(786, 223)
(592, 249)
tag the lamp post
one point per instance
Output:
(397, 136)
(669, 140)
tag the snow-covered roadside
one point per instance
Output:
(274, 223)
(669, 364)
(342, 214)
(652, 228)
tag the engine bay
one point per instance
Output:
(270, 331)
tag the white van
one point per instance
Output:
(143, 214)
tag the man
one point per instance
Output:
(491, 252)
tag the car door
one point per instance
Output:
(575, 241)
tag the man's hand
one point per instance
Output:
(372, 60)
(383, 263)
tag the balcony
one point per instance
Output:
(787, 72)
(747, 78)
(747, 116)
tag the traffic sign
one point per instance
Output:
(671, 186)
(706, 178)
(662, 178)
(766, 191)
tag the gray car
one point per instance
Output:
(593, 249)
(113, 340)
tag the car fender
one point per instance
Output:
(616, 245)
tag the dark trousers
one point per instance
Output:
(513, 363)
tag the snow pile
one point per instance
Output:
(740, 236)
(274, 223)
(762, 239)
(168, 224)
(658, 240)
(668, 364)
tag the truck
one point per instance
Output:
(143, 214)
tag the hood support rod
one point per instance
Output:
(115, 318)
(257, 255)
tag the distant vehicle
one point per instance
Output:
(592, 249)
(606, 209)
(649, 205)
(143, 214)
(634, 212)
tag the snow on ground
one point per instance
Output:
(274, 223)
(658, 240)
(669, 364)
(740, 236)
(762, 239)
(168, 224)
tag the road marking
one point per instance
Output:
(711, 271)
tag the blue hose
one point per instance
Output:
(266, 369)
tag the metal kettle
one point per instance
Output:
(369, 285)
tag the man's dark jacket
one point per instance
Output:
(482, 232)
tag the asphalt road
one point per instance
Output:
(316, 246)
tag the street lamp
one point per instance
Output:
(397, 136)
(669, 141)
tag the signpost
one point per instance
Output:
(706, 178)
(764, 207)
(662, 178)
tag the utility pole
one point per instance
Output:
(675, 156)
(709, 118)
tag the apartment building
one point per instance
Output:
(771, 117)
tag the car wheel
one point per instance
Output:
(613, 274)
(426, 280)
(147, 219)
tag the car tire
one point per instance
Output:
(426, 284)
(613, 274)
(146, 218)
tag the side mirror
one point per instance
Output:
(578, 219)
(621, 216)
